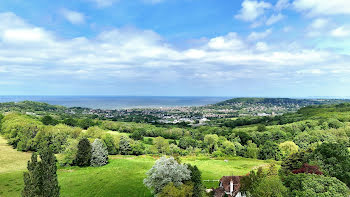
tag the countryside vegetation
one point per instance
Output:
(302, 153)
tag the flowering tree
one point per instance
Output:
(164, 171)
(99, 153)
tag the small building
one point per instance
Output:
(230, 186)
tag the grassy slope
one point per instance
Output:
(123, 176)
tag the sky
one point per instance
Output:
(265, 48)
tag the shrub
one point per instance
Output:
(305, 185)
(124, 146)
(99, 153)
(70, 152)
(164, 171)
(84, 153)
(110, 143)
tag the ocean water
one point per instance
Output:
(117, 102)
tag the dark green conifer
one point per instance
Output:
(84, 153)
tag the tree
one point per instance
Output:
(164, 171)
(99, 153)
(229, 148)
(288, 148)
(170, 190)
(41, 178)
(161, 145)
(137, 148)
(70, 153)
(270, 150)
(270, 186)
(261, 128)
(110, 143)
(306, 185)
(84, 153)
(252, 150)
(212, 142)
(196, 179)
(48, 120)
(308, 169)
(124, 146)
(334, 160)
(137, 135)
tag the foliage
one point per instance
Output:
(312, 185)
(270, 186)
(164, 171)
(41, 178)
(161, 145)
(252, 150)
(334, 160)
(170, 190)
(99, 153)
(288, 148)
(84, 153)
(110, 142)
(196, 179)
(270, 150)
(70, 153)
(308, 169)
(48, 120)
(124, 146)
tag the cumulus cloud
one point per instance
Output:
(319, 23)
(126, 55)
(274, 19)
(259, 35)
(73, 16)
(251, 10)
(282, 4)
(104, 3)
(341, 32)
(323, 7)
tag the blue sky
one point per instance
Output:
(274, 48)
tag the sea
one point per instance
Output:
(118, 102)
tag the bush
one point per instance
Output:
(165, 171)
(306, 185)
(270, 150)
(110, 143)
(99, 153)
(124, 146)
(170, 190)
(84, 153)
(70, 152)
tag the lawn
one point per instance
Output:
(123, 176)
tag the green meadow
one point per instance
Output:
(123, 176)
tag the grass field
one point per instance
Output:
(123, 176)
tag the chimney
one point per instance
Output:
(231, 187)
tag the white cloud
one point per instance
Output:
(340, 32)
(262, 46)
(104, 3)
(274, 19)
(319, 23)
(323, 7)
(282, 4)
(129, 54)
(228, 42)
(251, 10)
(259, 35)
(73, 16)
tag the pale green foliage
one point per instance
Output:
(288, 148)
(170, 190)
(94, 132)
(252, 150)
(99, 153)
(229, 148)
(164, 171)
(161, 145)
(70, 152)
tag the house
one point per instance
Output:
(229, 185)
